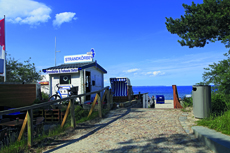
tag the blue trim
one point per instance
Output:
(80, 66)
(1, 66)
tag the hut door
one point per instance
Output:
(87, 84)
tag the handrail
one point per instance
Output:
(34, 106)
(70, 109)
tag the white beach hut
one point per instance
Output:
(77, 71)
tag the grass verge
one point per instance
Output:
(219, 123)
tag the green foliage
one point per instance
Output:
(201, 23)
(219, 123)
(79, 113)
(21, 72)
(63, 109)
(37, 101)
(219, 104)
(45, 96)
(187, 102)
(218, 74)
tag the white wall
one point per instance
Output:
(96, 75)
(45, 89)
(45, 77)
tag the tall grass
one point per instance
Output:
(219, 123)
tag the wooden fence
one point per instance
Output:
(18, 95)
(70, 109)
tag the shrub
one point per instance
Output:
(187, 102)
(45, 96)
(37, 101)
(80, 113)
(219, 104)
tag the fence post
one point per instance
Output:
(99, 105)
(73, 122)
(66, 114)
(111, 97)
(103, 97)
(30, 127)
(23, 127)
(108, 100)
(143, 97)
(139, 96)
(147, 100)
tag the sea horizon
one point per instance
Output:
(166, 91)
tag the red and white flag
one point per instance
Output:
(2, 44)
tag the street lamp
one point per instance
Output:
(55, 51)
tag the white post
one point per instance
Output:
(146, 99)
(143, 100)
(50, 85)
(82, 86)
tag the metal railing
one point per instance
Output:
(29, 115)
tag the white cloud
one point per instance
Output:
(63, 17)
(131, 70)
(148, 73)
(25, 11)
(154, 73)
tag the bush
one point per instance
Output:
(80, 113)
(219, 104)
(37, 101)
(45, 96)
(187, 102)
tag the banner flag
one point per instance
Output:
(2, 33)
(2, 43)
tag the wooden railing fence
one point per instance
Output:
(29, 115)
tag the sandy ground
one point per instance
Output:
(167, 104)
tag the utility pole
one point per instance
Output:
(55, 51)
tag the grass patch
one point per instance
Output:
(218, 123)
(186, 110)
(80, 116)
(16, 147)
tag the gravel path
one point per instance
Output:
(134, 130)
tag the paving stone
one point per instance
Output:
(137, 130)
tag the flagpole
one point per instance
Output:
(5, 50)
(55, 52)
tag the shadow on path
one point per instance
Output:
(163, 143)
(68, 142)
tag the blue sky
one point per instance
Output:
(129, 37)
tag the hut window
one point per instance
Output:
(65, 79)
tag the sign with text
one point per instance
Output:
(80, 58)
(55, 71)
